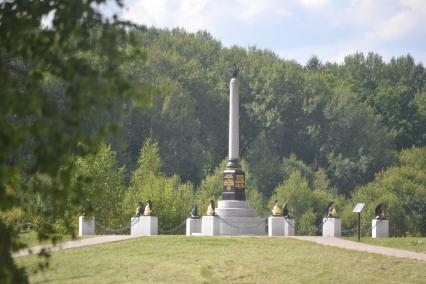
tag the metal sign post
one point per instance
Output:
(358, 208)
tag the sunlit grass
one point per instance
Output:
(180, 259)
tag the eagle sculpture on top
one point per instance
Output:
(234, 71)
(194, 212)
(379, 213)
(285, 212)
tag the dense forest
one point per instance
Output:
(349, 119)
(97, 116)
(309, 134)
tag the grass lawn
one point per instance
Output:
(409, 243)
(180, 259)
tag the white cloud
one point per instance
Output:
(314, 4)
(203, 14)
(389, 27)
(388, 20)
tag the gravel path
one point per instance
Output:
(74, 244)
(341, 243)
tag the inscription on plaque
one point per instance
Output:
(228, 181)
(239, 181)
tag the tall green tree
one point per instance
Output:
(104, 189)
(39, 132)
(171, 198)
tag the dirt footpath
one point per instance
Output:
(341, 243)
(74, 244)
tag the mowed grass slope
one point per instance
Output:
(180, 259)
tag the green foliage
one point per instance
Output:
(307, 193)
(295, 190)
(402, 190)
(341, 118)
(357, 145)
(171, 198)
(306, 224)
(413, 158)
(105, 189)
(291, 164)
(264, 165)
(55, 82)
(210, 188)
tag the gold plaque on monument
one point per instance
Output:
(239, 181)
(228, 181)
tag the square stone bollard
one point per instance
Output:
(289, 227)
(193, 225)
(276, 226)
(144, 226)
(210, 226)
(379, 228)
(331, 227)
(86, 226)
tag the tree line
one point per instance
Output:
(349, 119)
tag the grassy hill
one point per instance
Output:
(179, 259)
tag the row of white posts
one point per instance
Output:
(210, 226)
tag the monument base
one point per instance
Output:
(193, 226)
(144, 226)
(289, 227)
(237, 218)
(331, 227)
(276, 226)
(210, 226)
(380, 228)
(233, 182)
(86, 226)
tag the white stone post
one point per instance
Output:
(86, 226)
(289, 227)
(193, 226)
(380, 228)
(276, 226)
(332, 227)
(234, 117)
(210, 226)
(144, 226)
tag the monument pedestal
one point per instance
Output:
(144, 226)
(276, 226)
(210, 226)
(380, 228)
(237, 218)
(193, 225)
(331, 227)
(86, 226)
(289, 227)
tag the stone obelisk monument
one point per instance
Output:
(233, 176)
(236, 216)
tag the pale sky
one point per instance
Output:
(297, 29)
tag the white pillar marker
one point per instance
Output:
(234, 117)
